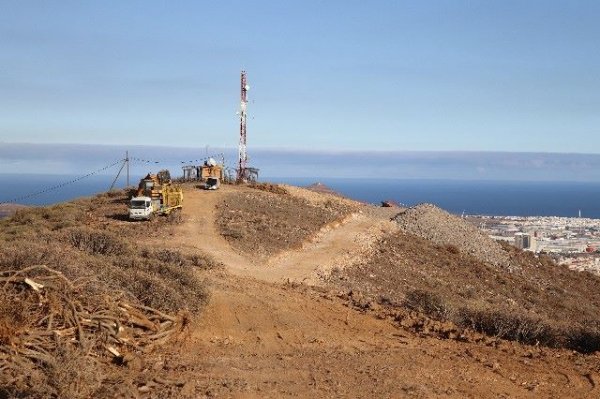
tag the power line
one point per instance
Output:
(123, 161)
(199, 160)
(61, 185)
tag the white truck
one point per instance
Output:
(141, 208)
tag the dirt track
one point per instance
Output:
(261, 337)
(336, 245)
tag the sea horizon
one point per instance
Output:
(468, 196)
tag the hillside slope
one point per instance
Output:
(7, 210)
(301, 294)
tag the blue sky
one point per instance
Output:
(328, 75)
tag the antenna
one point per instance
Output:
(242, 154)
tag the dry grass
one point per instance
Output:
(263, 223)
(90, 243)
(540, 302)
(268, 187)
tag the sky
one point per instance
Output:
(449, 76)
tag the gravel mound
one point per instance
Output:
(432, 223)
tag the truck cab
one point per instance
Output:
(141, 208)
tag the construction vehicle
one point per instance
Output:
(156, 195)
(211, 174)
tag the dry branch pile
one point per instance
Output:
(45, 314)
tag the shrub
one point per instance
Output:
(160, 286)
(53, 218)
(514, 326)
(97, 242)
(168, 256)
(161, 279)
(426, 302)
(453, 249)
(268, 187)
(37, 251)
(583, 340)
(204, 261)
(74, 375)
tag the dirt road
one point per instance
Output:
(336, 245)
(262, 337)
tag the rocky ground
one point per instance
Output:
(442, 228)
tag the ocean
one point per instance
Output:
(479, 197)
(48, 189)
(476, 197)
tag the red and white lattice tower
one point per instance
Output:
(242, 154)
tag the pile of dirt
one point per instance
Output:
(538, 302)
(432, 223)
(264, 223)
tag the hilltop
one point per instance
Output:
(275, 291)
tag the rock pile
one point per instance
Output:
(432, 223)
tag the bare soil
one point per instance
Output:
(265, 335)
(303, 317)
(256, 339)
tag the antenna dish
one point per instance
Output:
(247, 87)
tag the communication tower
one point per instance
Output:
(242, 154)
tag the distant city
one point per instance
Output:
(574, 242)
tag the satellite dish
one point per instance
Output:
(247, 87)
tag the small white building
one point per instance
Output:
(525, 241)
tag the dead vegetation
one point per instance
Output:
(267, 221)
(537, 303)
(82, 302)
(269, 187)
(65, 334)
(7, 210)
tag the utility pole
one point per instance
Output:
(242, 154)
(125, 163)
(127, 160)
